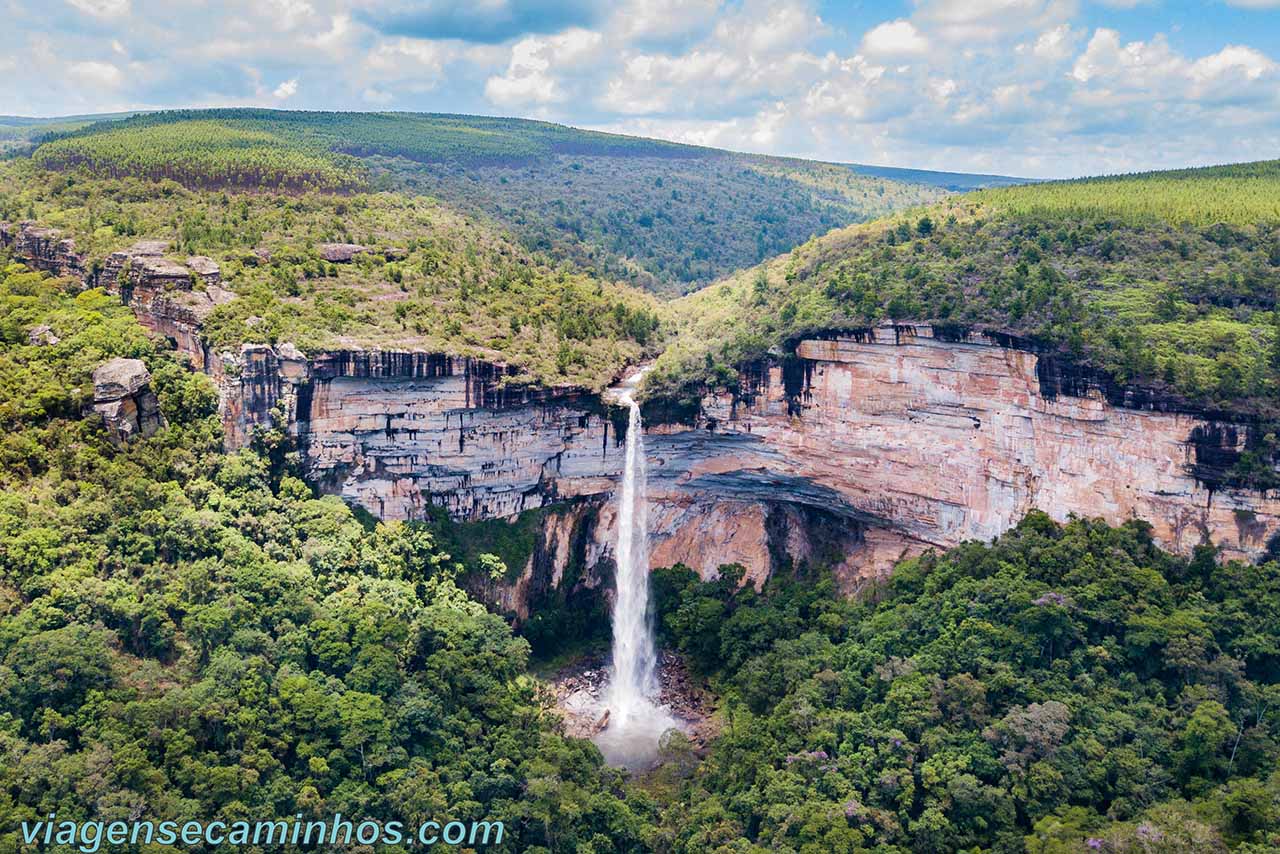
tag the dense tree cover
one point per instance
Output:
(1067, 688)
(1138, 276)
(1241, 194)
(659, 215)
(433, 280)
(19, 134)
(189, 634)
(280, 149)
(664, 224)
(424, 137)
(202, 153)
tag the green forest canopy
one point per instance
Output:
(186, 633)
(1065, 689)
(290, 149)
(655, 214)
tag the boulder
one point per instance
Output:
(119, 378)
(42, 336)
(122, 395)
(340, 253)
(206, 268)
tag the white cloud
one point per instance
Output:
(767, 26)
(1053, 45)
(338, 32)
(662, 19)
(96, 74)
(1232, 61)
(895, 38)
(102, 8)
(286, 90)
(978, 21)
(531, 75)
(289, 13)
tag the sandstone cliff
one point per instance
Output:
(859, 449)
(929, 442)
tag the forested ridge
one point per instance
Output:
(1166, 280)
(657, 215)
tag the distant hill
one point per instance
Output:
(660, 215)
(959, 182)
(20, 133)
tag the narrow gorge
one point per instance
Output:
(864, 446)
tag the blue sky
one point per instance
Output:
(1042, 88)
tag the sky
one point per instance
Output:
(1036, 88)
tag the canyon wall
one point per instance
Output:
(860, 449)
(929, 442)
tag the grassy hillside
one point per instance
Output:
(1168, 280)
(433, 279)
(658, 215)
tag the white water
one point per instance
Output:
(636, 720)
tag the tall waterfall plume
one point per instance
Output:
(636, 720)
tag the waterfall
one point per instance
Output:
(636, 720)
(634, 659)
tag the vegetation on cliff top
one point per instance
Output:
(1168, 280)
(433, 279)
(1065, 689)
(655, 214)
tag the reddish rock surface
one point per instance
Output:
(936, 442)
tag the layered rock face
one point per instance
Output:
(43, 248)
(931, 442)
(122, 395)
(397, 433)
(170, 298)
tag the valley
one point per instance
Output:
(946, 493)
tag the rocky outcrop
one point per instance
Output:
(122, 395)
(170, 298)
(43, 248)
(42, 336)
(929, 441)
(340, 253)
